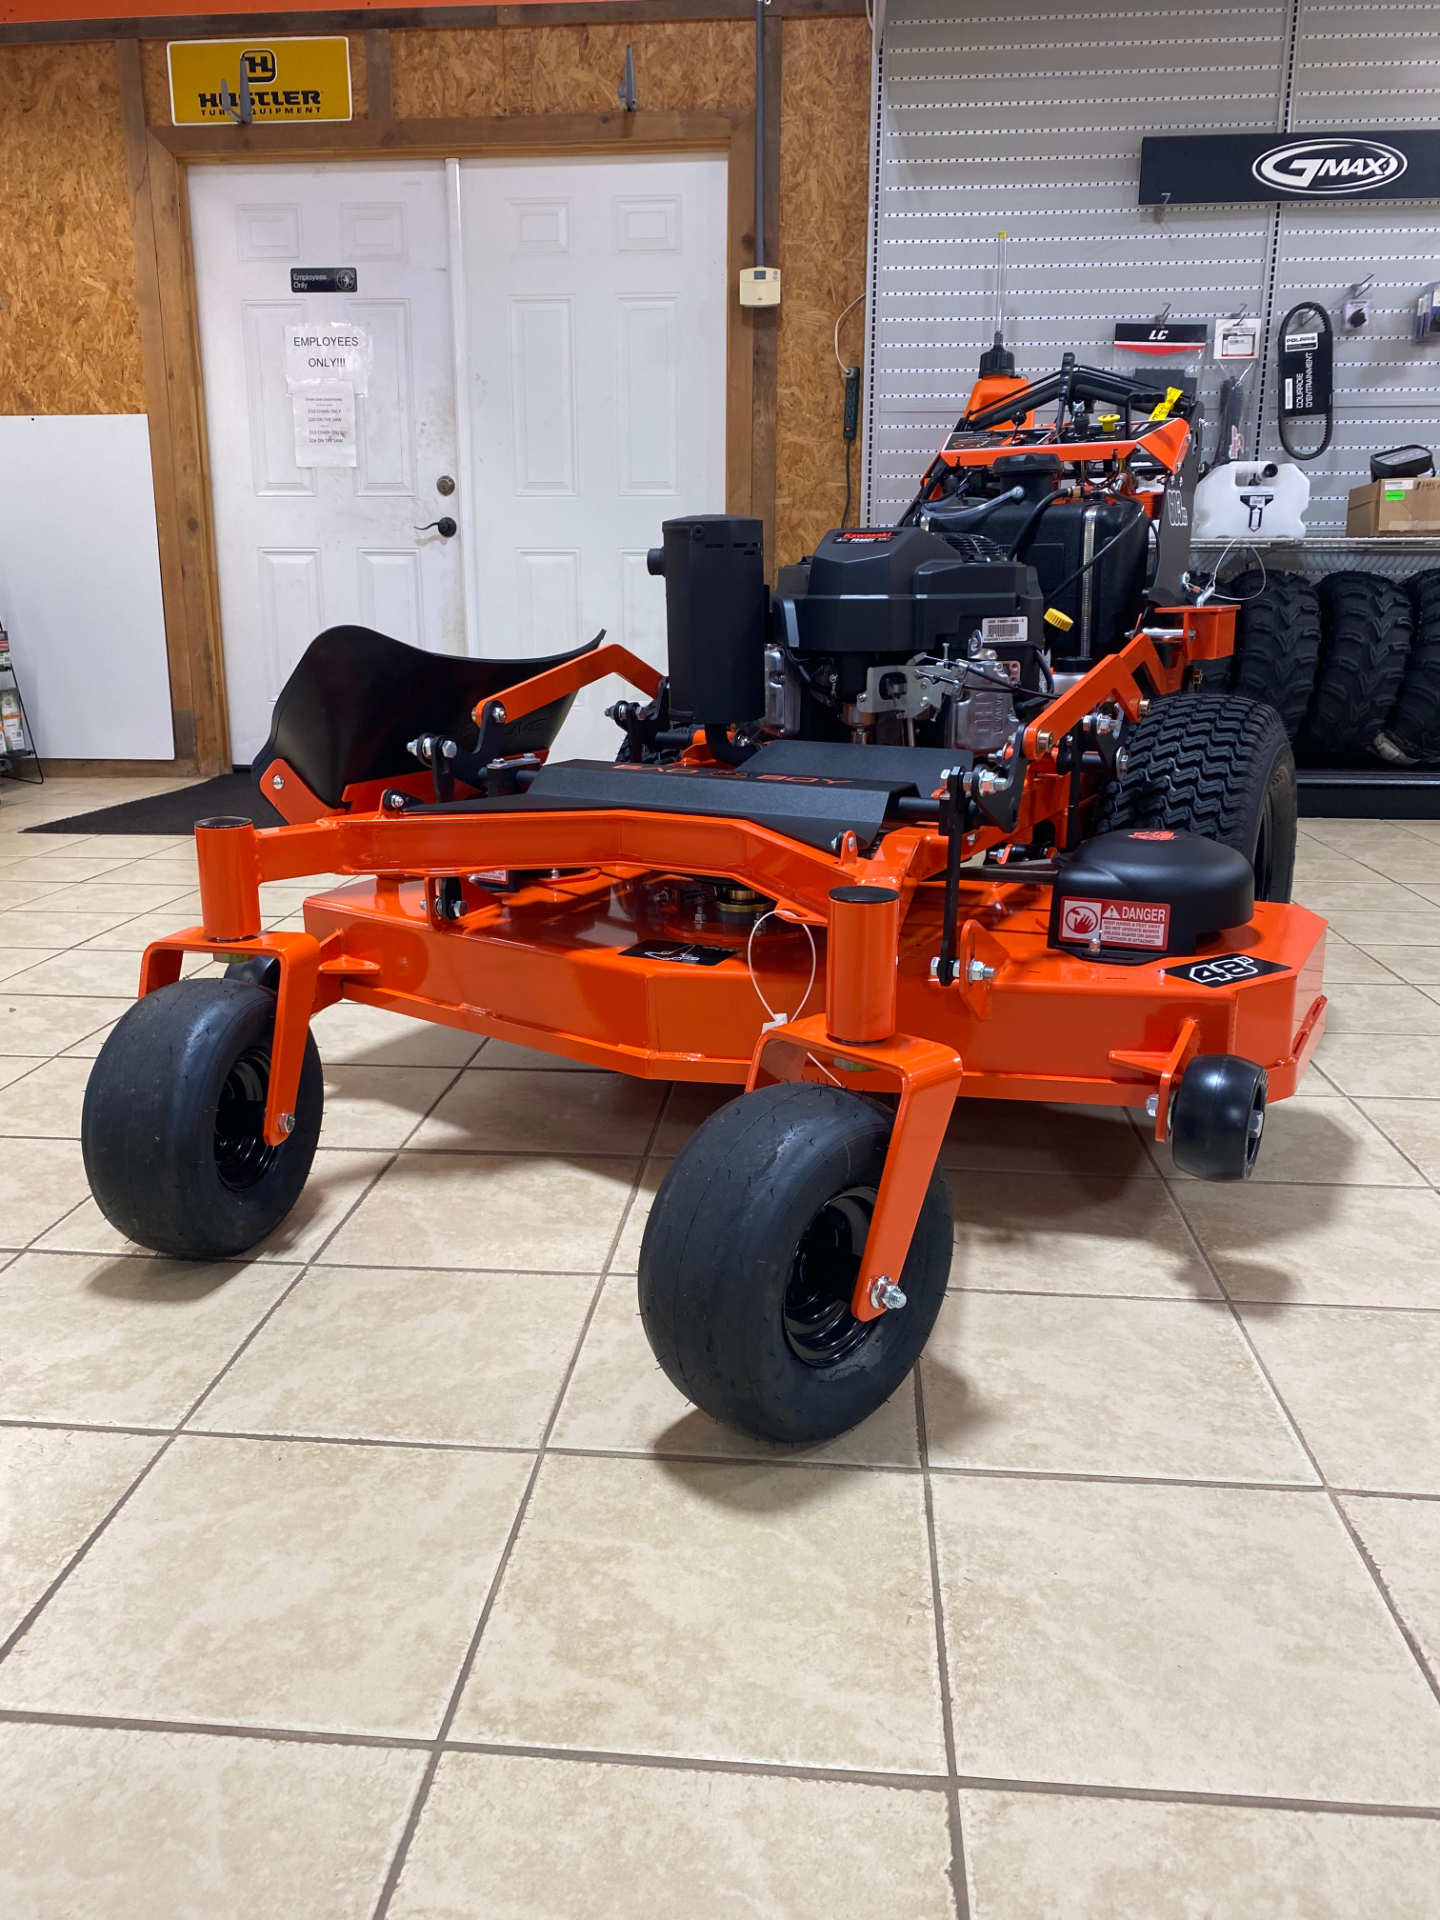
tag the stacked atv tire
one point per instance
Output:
(1351, 663)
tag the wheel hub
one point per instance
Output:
(242, 1156)
(820, 1329)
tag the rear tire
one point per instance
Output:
(1368, 627)
(1217, 765)
(1411, 734)
(1277, 642)
(750, 1258)
(171, 1127)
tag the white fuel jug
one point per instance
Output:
(1252, 500)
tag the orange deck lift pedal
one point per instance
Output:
(947, 814)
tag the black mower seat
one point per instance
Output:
(357, 697)
(810, 790)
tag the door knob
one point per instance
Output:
(445, 527)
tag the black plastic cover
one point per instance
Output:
(716, 611)
(1131, 897)
(904, 591)
(357, 697)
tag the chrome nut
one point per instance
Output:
(885, 1296)
(287, 1123)
(1044, 742)
(978, 971)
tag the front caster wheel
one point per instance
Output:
(750, 1258)
(1218, 1117)
(172, 1128)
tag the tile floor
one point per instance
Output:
(382, 1572)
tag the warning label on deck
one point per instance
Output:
(1116, 923)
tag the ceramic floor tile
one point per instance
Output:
(691, 1103)
(1421, 965)
(136, 933)
(30, 891)
(550, 1840)
(1069, 1235)
(15, 960)
(1133, 1387)
(45, 1024)
(1402, 1537)
(657, 1607)
(1348, 966)
(178, 1826)
(1025, 1136)
(1418, 926)
(400, 1355)
(378, 1107)
(1380, 1009)
(1414, 1126)
(69, 868)
(1381, 1066)
(497, 1212)
(54, 1488)
(504, 1053)
(46, 1103)
(1371, 893)
(274, 1583)
(1031, 1856)
(85, 970)
(18, 1066)
(1361, 1387)
(1316, 1139)
(373, 1036)
(519, 1112)
(41, 1181)
(122, 1341)
(626, 1258)
(337, 1180)
(130, 890)
(619, 1400)
(1336, 1245)
(1156, 1637)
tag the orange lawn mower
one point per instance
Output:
(949, 814)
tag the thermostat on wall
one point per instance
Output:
(760, 287)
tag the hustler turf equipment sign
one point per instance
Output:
(221, 82)
(1192, 169)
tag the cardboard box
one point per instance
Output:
(1393, 506)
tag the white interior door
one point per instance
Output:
(595, 302)
(303, 547)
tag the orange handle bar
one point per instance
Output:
(528, 696)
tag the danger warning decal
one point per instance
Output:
(1225, 970)
(1116, 923)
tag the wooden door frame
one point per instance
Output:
(157, 161)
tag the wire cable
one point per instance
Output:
(843, 311)
(778, 1019)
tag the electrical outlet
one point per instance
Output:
(760, 287)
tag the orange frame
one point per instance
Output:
(1022, 1021)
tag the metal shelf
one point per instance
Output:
(1369, 793)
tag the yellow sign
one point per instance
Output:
(214, 82)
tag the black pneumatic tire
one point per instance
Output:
(1368, 626)
(171, 1124)
(1277, 642)
(750, 1255)
(1217, 765)
(1411, 735)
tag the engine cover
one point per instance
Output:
(1125, 898)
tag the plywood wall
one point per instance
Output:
(69, 333)
(680, 66)
(824, 121)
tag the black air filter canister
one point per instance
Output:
(716, 605)
(1129, 897)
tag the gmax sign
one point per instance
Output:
(1196, 169)
(1329, 166)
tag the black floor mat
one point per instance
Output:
(174, 812)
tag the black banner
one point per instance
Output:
(1194, 169)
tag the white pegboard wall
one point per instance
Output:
(1029, 118)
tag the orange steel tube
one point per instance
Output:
(861, 961)
(229, 860)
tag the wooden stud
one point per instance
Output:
(157, 400)
(517, 134)
(561, 13)
(377, 73)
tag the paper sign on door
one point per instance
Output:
(325, 368)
